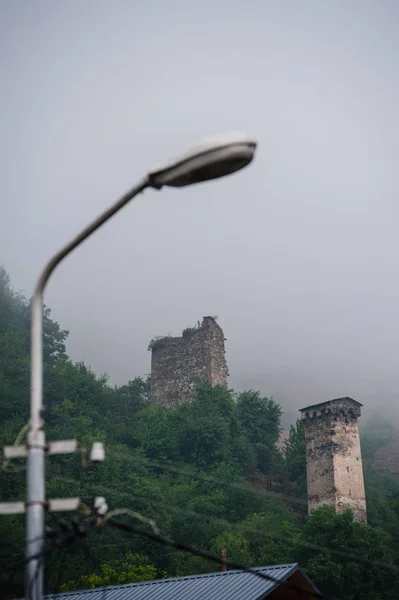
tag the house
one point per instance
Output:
(223, 585)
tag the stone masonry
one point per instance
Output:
(333, 456)
(178, 364)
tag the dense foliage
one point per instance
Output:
(209, 473)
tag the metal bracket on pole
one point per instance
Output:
(36, 504)
(12, 508)
(15, 452)
(63, 504)
(62, 447)
(56, 505)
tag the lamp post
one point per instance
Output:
(211, 159)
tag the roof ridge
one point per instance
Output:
(173, 580)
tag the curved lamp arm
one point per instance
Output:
(36, 439)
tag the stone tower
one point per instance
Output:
(333, 456)
(178, 364)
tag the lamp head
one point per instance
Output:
(213, 158)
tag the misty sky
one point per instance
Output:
(298, 255)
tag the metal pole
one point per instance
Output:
(35, 465)
(35, 505)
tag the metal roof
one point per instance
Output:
(225, 585)
(329, 402)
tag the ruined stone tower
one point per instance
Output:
(178, 364)
(333, 456)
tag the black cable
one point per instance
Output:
(238, 525)
(55, 539)
(59, 539)
(23, 562)
(212, 557)
(34, 579)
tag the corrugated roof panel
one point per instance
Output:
(225, 585)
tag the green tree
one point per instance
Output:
(130, 398)
(260, 419)
(205, 426)
(152, 433)
(236, 545)
(347, 559)
(295, 458)
(129, 569)
(271, 534)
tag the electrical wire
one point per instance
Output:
(56, 539)
(181, 546)
(189, 471)
(32, 582)
(213, 558)
(68, 537)
(229, 524)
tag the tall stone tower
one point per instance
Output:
(333, 456)
(178, 364)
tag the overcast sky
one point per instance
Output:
(298, 255)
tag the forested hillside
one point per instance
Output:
(209, 474)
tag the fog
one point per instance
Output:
(297, 255)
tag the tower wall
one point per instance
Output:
(178, 364)
(333, 457)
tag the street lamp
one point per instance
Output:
(212, 158)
